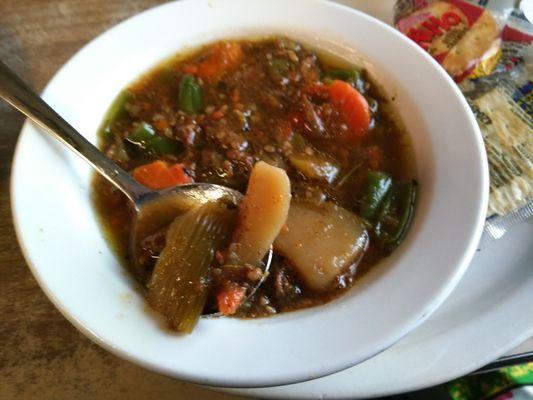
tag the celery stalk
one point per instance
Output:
(181, 281)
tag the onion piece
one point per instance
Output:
(314, 167)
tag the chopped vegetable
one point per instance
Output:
(145, 138)
(346, 75)
(321, 242)
(229, 299)
(222, 58)
(142, 134)
(116, 111)
(161, 146)
(314, 167)
(159, 175)
(353, 107)
(262, 213)
(401, 202)
(180, 284)
(355, 77)
(190, 96)
(378, 185)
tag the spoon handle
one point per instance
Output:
(19, 95)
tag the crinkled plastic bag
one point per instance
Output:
(489, 52)
(462, 37)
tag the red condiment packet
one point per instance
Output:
(459, 35)
(490, 54)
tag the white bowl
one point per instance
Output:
(65, 248)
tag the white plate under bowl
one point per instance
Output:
(487, 315)
(66, 250)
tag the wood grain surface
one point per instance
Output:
(42, 356)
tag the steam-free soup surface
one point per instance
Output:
(212, 114)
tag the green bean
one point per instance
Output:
(161, 145)
(347, 75)
(142, 134)
(377, 186)
(145, 138)
(114, 112)
(401, 203)
(190, 95)
(384, 211)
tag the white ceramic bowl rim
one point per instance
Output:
(72, 262)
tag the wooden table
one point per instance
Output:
(42, 355)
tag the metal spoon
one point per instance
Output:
(153, 209)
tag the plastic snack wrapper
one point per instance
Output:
(488, 51)
(515, 382)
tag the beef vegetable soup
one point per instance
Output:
(327, 173)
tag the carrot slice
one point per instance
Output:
(353, 107)
(221, 58)
(159, 175)
(229, 299)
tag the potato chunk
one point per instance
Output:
(262, 213)
(321, 242)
